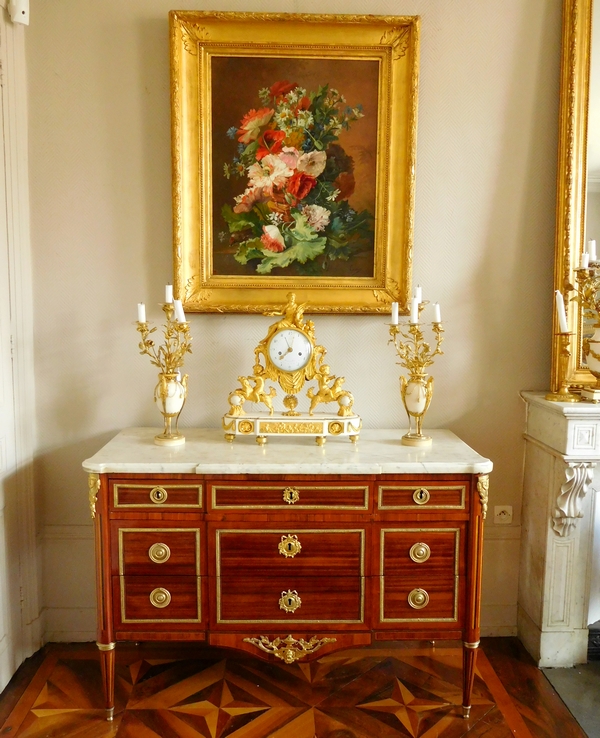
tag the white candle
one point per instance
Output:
(585, 260)
(591, 249)
(179, 314)
(414, 310)
(437, 315)
(394, 313)
(141, 312)
(169, 293)
(560, 311)
(419, 294)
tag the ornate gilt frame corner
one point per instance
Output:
(571, 180)
(391, 41)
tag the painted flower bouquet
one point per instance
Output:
(295, 207)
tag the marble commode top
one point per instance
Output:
(206, 452)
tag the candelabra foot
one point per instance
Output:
(411, 440)
(173, 440)
(561, 396)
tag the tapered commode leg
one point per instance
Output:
(469, 659)
(107, 664)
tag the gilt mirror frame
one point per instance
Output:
(572, 181)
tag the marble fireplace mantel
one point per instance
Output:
(561, 456)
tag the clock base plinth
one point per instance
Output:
(320, 426)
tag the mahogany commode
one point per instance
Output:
(290, 550)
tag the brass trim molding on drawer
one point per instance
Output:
(158, 532)
(382, 577)
(154, 498)
(126, 620)
(285, 504)
(424, 500)
(284, 534)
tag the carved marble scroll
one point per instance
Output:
(572, 492)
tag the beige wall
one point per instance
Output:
(101, 231)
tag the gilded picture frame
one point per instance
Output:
(571, 189)
(293, 153)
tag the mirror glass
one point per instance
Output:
(592, 219)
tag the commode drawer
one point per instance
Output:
(145, 600)
(265, 553)
(149, 550)
(160, 494)
(286, 495)
(420, 574)
(289, 599)
(421, 495)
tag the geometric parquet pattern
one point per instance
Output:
(215, 693)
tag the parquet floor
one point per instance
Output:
(175, 692)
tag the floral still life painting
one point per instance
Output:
(293, 160)
(298, 179)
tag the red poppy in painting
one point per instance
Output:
(282, 88)
(300, 184)
(250, 126)
(271, 142)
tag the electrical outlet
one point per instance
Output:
(502, 514)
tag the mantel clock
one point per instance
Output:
(289, 356)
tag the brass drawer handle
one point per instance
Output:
(291, 495)
(289, 601)
(160, 597)
(158, 495)
(159, 553)
(419, 552)
(421, 496)
(289, 546)
(418, 599)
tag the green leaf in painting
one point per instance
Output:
(302, 231)
(251, 249)
(301, 251)
(237, 221)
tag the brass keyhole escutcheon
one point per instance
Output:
(289, 546)
(418, 599)
(291, 495)
(160, 597)
(159, 553)
(158, 495)
(289, 601)
(421, 496)
(419, 552)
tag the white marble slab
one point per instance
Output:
(206, 452)
(571, 428)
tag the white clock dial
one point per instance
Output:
(290, 350)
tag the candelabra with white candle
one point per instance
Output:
(415, 356)
(564, 337)
(587, 295)
(171, 391)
